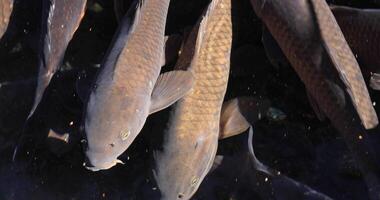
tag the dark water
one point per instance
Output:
(300, 146)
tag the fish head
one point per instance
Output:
(181, 168)
(178, 188)
(110, 129)
(96, 162)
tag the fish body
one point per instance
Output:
(310, 38)
(6, 7)
(257, 178)
(191, 139)
(61, 19)
(128, 87)
(361, 28)
(311, 32)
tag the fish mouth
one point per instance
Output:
(87, 164)
(94, 169)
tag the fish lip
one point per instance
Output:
(93, 168)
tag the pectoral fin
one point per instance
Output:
(232, 122)
(237, 115)
(169, 88)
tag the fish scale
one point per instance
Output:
(192, 136)
(129, 85)
(314, 79)
(298, 36)
(143, 41)
(349, 65)
(60, 22)
(361, 28)
(6, 7)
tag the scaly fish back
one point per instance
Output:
(62, 20)
(299, 39)
(192, 137)
(361, 28)
(210, 66)
(140, 58)
(293, 25)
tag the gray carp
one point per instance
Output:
(129, 86)
(61, 18)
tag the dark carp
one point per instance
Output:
(312, 41)
(61, 18)
(361, 28)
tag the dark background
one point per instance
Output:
(300, 146)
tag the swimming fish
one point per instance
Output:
(6, 7)
(319, 32)
(129, 86)
(310, 38)
(238, 115)
(191, 139)
(61, 19)
(361, 28)
(258, 178)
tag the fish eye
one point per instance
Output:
(125, 134)
(112, 144)
(180, 196)
(194, 181)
